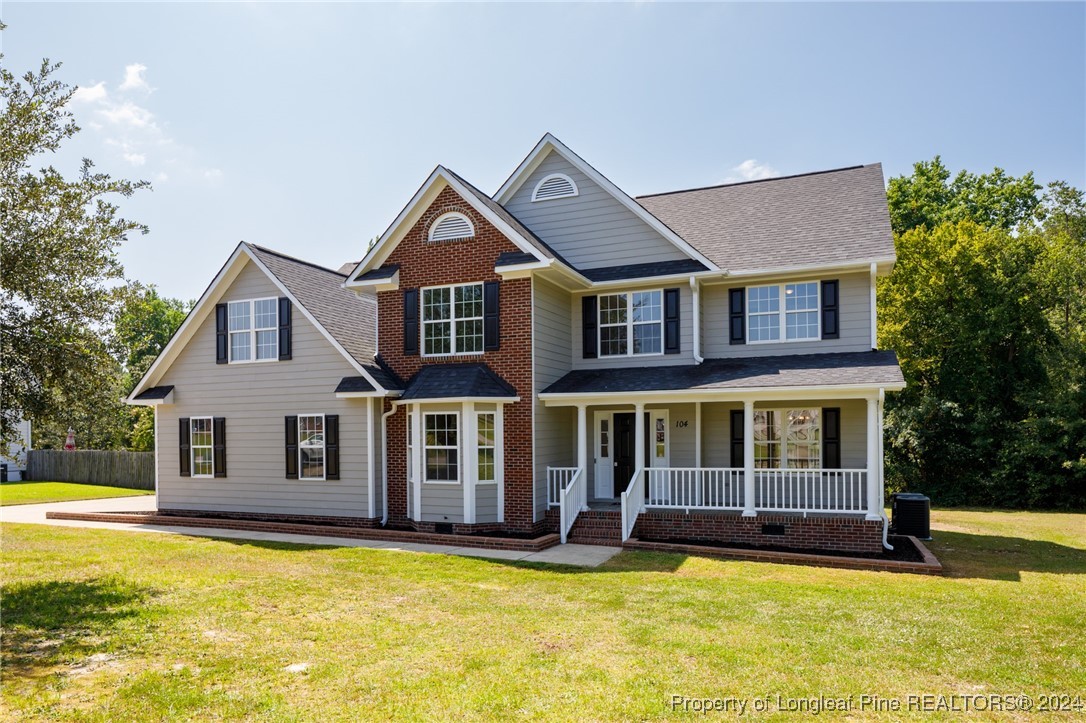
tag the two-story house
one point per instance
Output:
(694, 365)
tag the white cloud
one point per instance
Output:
(128, 114)
(90, 94)
(162, 177)
(751, 170)
(213, 174)
(136, 159)
(133, 77)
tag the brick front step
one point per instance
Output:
(930, 565)
(360, 533)
(599, 541)
(597, 527)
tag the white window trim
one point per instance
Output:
(572, 183)
(782, 442)
(442, 217)
(192, 449)
(630, 323)
(324, 449)
(451, 320)
(252, 330)
(494, 447)
(459, 450)
(782, 318)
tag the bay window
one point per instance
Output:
(441, 448)
(485, 447)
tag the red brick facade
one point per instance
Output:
(422, 264)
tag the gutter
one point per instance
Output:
(384, 462)
(695, 293)
(882, 482)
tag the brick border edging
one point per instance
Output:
(930, 565)
(360, 533)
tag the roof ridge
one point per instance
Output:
(757, 180)
(295, 259)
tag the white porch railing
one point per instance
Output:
(558, 479)
(810, 490)
(569, 502)
(633, 503)
(695, 488)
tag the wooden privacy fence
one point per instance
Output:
(134, 470)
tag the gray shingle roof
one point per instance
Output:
(816, 218)
(512, 258)
(354, 384)
(640, 271)
(350, 318)
(155, 393)
(874, 368)
(385, 272)
(442, 381)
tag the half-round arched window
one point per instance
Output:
(451, 226)
(556, 185)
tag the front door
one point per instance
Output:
(624, 451)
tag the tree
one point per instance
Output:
(58, 263)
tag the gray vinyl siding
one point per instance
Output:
(254, 399)
(591, 230)
(855, 321)
(716, 429)
(486, 503)
(686, 334)
(442, 503)
(554, 443)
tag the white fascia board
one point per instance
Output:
(429, 189)
(884, 265)
(460, 400)
(312, 320)
(521, 271)
(367, 395)
(640, 281)
(549, 143)
(204, 305)
(759, 394)
(391, 283)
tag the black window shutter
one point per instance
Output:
(184, 448)
(830, 314)
(589, 320)
(222, 348)
(737, 323)
(411, 322)
(491, 316)
(285, 334)
(218, 435)
(671, 321)
(292, 447)
(831, 437)
(737, 438)
(331, 446)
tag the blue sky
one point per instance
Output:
(307, 128)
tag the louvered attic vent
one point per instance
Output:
(451, 227)
(556, 185)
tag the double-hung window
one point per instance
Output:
(202, 447)
(452, 320)
(485, 446)
(253, 326)
(770, 320)
(311, 441)
(441, 447)
(631, 323)
(788, 439)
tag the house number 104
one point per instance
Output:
(681, 423)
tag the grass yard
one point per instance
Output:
(29, 493)
(104, 625)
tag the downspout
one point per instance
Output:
(696, 298)
(384, 463)
(882, 481)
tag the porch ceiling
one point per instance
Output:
(825, 372)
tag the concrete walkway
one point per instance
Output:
(570, 554)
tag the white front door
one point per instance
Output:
(605, 470)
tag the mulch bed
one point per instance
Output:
(904, 550)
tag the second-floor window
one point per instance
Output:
(452, 320)
(631, 323)
(254, 330)
(769, 319)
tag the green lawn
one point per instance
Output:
(104, 625)
(28, 493)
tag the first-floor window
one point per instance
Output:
(441, 448)
(485, 447)
(788, 439)
(311, 446)
(410, 445)
(202, 447)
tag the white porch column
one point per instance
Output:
(639, 437)
(748, 459)
(469, 471)
(582, 451)
(874, 498)
(417, 470)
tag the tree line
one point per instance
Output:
(986, 308)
